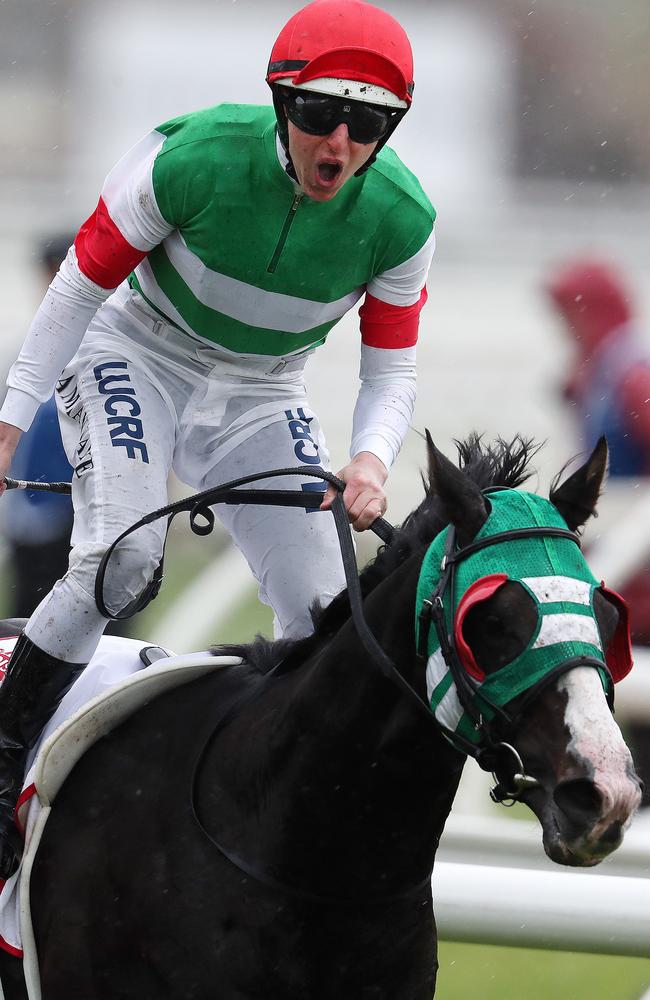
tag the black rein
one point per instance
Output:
(202, 520)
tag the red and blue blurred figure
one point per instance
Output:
(609, 387)
(610, 382)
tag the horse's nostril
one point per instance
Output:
(612, 834)
(579, 800)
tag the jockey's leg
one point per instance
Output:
(34, 685)
(118, 477)
(293, 553)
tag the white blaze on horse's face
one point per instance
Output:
(600, 815)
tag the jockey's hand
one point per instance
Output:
(9, 438)
(364, 496)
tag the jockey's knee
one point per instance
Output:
(128, 571)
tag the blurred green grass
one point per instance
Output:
(489, 973)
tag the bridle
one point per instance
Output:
(491, 752)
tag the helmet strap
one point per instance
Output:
(283, 130)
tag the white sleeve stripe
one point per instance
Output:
(129, 195)
(378, 363)
(384, 407)
(402, 285)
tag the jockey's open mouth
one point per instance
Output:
(328, 171)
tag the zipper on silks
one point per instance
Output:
(288, 222)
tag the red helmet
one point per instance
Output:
(345, 47)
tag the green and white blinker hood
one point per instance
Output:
(562, 586)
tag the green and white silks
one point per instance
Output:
(237, 257)
(555, 574)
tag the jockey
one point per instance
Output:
(225, 246)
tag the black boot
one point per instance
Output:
(33, 687)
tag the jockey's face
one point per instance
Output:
(323, 163)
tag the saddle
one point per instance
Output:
(122, 676)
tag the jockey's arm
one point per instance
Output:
(122, 230)
(52, 339)
(389, 330)
(382, 416)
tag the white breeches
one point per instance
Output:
(140, 399)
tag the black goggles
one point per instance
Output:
(320, 114)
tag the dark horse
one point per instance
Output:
(285, 852)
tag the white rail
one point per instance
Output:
(538, 909)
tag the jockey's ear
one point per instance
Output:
(461, 500)
(576, 498)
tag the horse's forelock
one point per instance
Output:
(503, 463)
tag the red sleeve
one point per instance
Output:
(384, 325)
(635, 398)
(103, 254)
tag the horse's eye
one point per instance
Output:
(494, 626)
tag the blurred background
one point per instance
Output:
(529, 131)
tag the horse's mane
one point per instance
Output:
(502, 463)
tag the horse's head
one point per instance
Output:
(523, 651)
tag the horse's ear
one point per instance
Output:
(461, 500)
(577, 497)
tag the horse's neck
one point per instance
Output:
(341, 759)
(341, 682)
